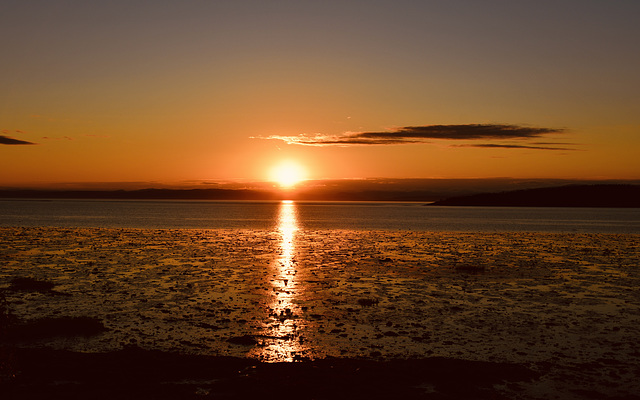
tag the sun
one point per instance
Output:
(287, 174)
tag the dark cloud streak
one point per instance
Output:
(514, 146)
(12, 141)
(462, 132)
(427, 133)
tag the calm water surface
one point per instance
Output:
(314, 216)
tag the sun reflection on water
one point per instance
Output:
(282, 341)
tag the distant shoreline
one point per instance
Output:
(216, 194)
(596, 196)
(141, 194)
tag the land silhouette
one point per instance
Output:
(615, 196)
(445, 192)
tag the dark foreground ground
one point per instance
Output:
(134, 373)
(206, 314)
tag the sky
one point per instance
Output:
(208, 91)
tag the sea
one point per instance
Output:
(266, 215)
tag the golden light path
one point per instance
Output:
(282, 342)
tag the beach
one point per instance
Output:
(560, 309)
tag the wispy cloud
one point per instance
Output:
(12, 141)
(513, 146)
(428, 133)
(57, 138)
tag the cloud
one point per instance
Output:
(57, 138)
(8, 140)
(514, 146)
(427, 133)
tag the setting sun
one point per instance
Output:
(287, 174)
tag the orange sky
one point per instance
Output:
(203, 91)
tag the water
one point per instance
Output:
(314, 216)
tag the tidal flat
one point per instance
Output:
(564, 307)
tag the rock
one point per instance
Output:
(470, 268)
(52, 327)
(367, 302)
(23, 284)
(245, 340)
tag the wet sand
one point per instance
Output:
(561, 308)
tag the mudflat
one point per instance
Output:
(327, 313)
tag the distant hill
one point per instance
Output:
(142, 194)
(529, 193)
(614, 196)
